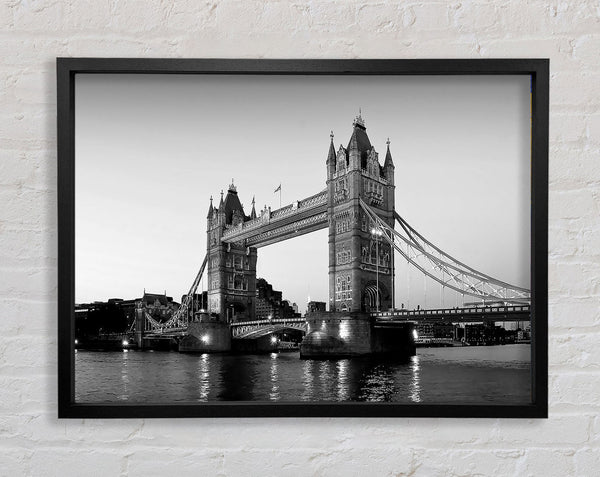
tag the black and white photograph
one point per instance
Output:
(302, 239)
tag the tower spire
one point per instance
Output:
(388, 156)
(331, 154)
(253, 212)
(210, 208)
(359, 121)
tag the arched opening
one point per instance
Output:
(370, 296)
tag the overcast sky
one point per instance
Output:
(152, 149)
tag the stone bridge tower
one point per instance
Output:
(231, 267)
(354, 250)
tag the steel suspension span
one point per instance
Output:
(179, 320)
(442, 267)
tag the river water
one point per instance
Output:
(486, 374)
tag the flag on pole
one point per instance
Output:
(278, 189)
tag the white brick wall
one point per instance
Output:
(34, 442)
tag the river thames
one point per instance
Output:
(486, 374)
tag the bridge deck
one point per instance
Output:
(299, 218)
(458, 315)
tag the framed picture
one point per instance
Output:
(245, 238)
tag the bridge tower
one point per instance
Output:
(357, 282)
(231, 266)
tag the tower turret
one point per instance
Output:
(253, 212)
(210, 209)
(232, 266)
(388, 165)
(331, 158)
(360, 263)
(359, 145)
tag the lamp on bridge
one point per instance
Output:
(376, 232)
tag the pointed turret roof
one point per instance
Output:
(388, 156)
(232, 203)
(253, 213)
(210, 208)
(359, 140)
(331, 154)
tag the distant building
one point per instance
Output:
(117, 315)
(270, 304)
(315, 306)
(159, 306)
(198, 305)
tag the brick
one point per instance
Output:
(567, 128)
(586, 95)
(575, 351)
(593, 129)
(585, 50)
(45, 15)
(547, 462)
(575, 167)
(15, 461)
(572, 312)
(191, 462)
(445, 462)
(575, 388)
(90, 462)
(576, 279)
(574, 204)
(587, 461)
(380, 18)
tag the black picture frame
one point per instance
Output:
(68, 68)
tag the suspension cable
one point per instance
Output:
(462, 278)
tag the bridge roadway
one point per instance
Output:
(480, 314)
(474, 314)
(259, 328)
(299, 218)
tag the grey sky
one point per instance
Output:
(151, 150)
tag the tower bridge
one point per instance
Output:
(357, 207)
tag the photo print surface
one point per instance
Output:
(302, 239)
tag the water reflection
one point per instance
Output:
(434, 375)
(124, 394)
(415, 388)
(274, 394)
(203, 377)
(342, 380)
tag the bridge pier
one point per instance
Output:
(208, 335)
(345, 334)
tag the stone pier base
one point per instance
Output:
(346, 334)
(206, 336)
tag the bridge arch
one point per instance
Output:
(370, 298)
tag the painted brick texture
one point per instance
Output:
(34, 442)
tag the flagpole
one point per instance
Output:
(280, 195)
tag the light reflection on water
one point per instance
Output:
(476, 374)
(274, 395)
(415, 389)
(204, 377)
